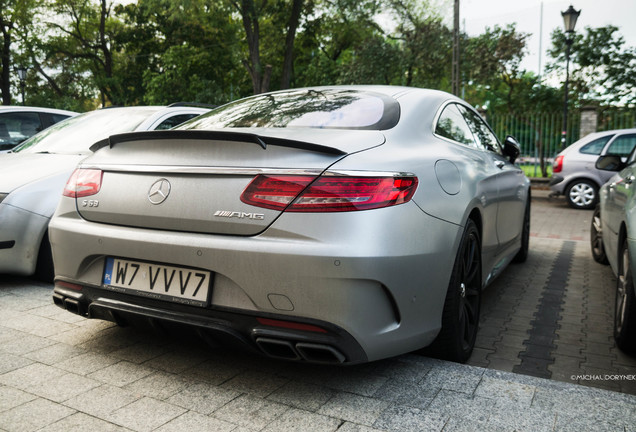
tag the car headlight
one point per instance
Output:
(3, 196)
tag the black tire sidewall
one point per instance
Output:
(626, 337)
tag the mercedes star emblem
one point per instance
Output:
(159, 191)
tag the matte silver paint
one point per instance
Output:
(381, 275)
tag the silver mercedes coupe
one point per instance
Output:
(329, 225)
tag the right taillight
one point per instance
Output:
(83, 183)
(331, 193)
(557, 166)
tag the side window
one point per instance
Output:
(17, 126)
(173, 121)
(622, 145)
(595, 147)
(58, 118)
(451, 125)
(483, 135)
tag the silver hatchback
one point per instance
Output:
(574, 174)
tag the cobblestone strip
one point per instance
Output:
(540, 344)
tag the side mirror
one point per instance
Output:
(511, 149)
(610, 163)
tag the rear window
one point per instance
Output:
(595, 147)
(76, 134)
(306, 108)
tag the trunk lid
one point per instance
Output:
(193, 180)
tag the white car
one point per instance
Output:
(33, 175)
(18, 123)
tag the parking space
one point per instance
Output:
(552, 317)
(548, 318)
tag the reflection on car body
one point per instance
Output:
(336, 224)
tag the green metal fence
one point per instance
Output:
(539, 134)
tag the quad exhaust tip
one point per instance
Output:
(310, 352)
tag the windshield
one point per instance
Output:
(305, 108)
(76, 134)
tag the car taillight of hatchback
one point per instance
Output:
(557, 167)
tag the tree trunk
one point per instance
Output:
(5, 78)
(248, 13)
(294, 20)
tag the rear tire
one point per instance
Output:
(582, 194)
(522, 255)
(460, 317)
(44, 268)
(625, 305)
(596, 238)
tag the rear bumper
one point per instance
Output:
(376, 286)
(323, 343)
(556, 184)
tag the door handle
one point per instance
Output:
(500, 164)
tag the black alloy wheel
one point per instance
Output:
(625, 305)
(596, 237)
(460, 318)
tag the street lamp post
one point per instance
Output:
(569, 21)
(22, 71)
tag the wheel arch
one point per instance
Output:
(579, 178)
(475, 216)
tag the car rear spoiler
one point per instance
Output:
(261, 141)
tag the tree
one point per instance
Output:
(16, 20)
(603, 68)
(426, 44)
(180, 50)
(493, 59)
(84, 34)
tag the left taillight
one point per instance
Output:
(83, 183)
(329, 193)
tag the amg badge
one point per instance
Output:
(240, 215)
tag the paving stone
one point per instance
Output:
(203, 398)
(54, 353)
(305, 396)
(495, 388)
(145, 414)
(85, 364)
(194, 422)
(82, 422)
(256, 383)
(354, 408)
(251, 411)
(121, 373)
(159, 385)
(406, 419)
(410, 395)
(298, 420)
(33, 415)
(101, 401)
(11, 397)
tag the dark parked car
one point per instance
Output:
(327, 224)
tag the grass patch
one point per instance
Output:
(529, 170)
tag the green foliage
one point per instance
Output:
(87, 53)
(602, 67)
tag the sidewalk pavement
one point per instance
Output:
(61, 372)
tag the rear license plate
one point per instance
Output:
(158, 281)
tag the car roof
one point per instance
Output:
(15, 108)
